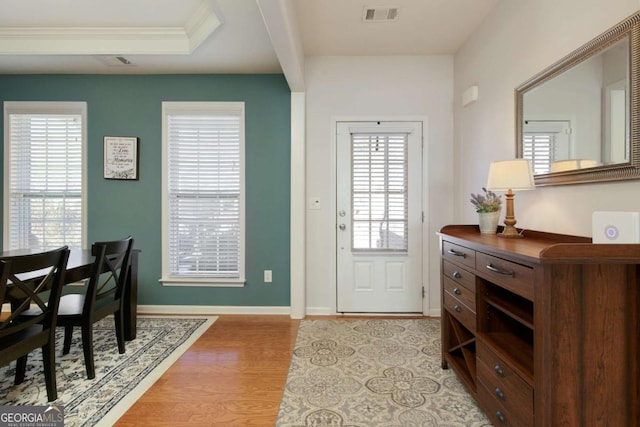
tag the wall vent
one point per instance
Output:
(114, 61)
(379, 14)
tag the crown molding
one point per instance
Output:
(92, 41)
(110, 40)
(201, 25)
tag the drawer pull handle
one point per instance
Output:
(499, 393)
(511, 273)
(457, 308)
(457, 253)
(500, 416)
(499, 370)
(456, 275)
(456, 291)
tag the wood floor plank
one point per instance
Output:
(233, 376)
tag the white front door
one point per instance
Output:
(379, 217)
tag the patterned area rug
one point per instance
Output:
(382, 373)
(120, 378)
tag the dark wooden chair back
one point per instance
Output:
(108, 278)
(104, 296)
(27, 280)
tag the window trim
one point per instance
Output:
(42, 107)
(169, 108)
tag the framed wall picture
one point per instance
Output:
(120, 157)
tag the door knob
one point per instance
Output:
(342, 226)
(342, 213)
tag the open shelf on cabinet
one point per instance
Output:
(506, 325)
(518, 308)
(461, 352)
(516, 351)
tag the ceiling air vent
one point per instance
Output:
(114, 61)
(380, 14)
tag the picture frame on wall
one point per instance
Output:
(121, 157)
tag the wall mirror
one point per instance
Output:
(578, 120)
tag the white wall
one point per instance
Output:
(517, 40)
(375, 88)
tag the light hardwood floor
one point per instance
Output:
(232, 376)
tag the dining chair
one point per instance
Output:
(103, 297)
(26, 280)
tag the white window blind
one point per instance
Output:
(45, 188)
(538, 147)
(205, 193)
(379, 178)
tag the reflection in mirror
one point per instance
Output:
(565, 119)
(573, 120)
(615, 136)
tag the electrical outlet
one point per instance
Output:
(267, 276)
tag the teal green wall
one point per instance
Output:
(131, 106)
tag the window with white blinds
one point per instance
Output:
(538, 147)
(204, 189)
(379, 193)
(44, 203)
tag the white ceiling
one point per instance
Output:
(423, 27)
(220, 36)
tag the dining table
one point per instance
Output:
(79, 268)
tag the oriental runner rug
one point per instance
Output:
(382, 373)
(120, 378)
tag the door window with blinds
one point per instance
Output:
(538, 147)
(44, 183)
(379, 192)
(545, 142)
(203, 193)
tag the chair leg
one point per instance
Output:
(68, 333)
(21, 367)
(49, 362)
(119, 322)
(87, 347)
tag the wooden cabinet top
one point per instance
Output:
(542, 248)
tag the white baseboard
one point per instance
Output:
(319, 311)
(214, 310)
(208, 309)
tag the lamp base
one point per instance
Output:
(510, 232)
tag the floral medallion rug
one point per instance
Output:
(381, 373)
(120, 378)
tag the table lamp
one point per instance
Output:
(510, 175)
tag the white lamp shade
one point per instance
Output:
(513, 174)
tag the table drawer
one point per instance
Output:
(466, 296)
(459, 275)
(500, 414)
(459, 254)
(513, 392)
(460, 311)
(515, 277)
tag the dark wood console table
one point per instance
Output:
(544, 330)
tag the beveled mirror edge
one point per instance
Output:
(624, 171)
